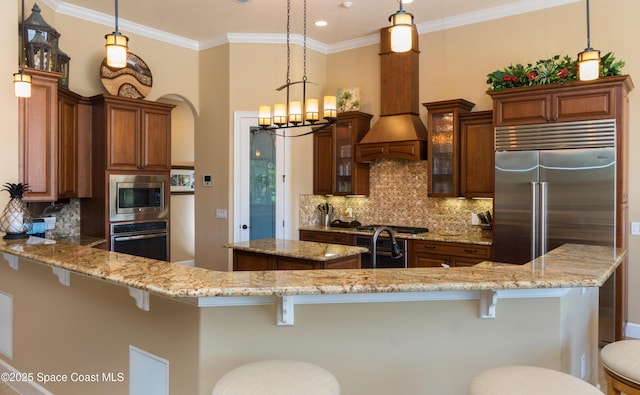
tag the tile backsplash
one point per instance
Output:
(398, 196)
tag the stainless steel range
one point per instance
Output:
(384, 247)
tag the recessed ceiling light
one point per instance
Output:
(321, 23)
(407, 1)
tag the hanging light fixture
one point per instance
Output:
(401, 30)
(291, 114)
(22, 80)
(116, 46)
(589, 59)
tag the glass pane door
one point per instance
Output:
(262, 184)
(442, 154)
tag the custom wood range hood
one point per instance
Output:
(399, 133)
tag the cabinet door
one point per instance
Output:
(426, 260)
(123, 137)
(156, 140)
(343, 139)
(67, 145)
(583, 104)
(524, 109)
(477, 154)
(38, 142)
(323, 162)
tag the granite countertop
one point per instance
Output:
(468, 238)
(298, 249)
(568, 266)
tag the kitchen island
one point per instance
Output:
(401, 331)
(278, 254)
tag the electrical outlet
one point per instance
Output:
(474, 219)
(221, 213)
(348, 212)
(583, 366)
(635, 228)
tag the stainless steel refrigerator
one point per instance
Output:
(556, 184)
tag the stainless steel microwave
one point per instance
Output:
(137, 197)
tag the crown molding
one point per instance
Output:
(521, 7)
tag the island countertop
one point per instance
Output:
(568, 266)
(298, 249)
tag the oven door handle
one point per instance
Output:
(139, 237)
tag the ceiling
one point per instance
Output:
(203, 23)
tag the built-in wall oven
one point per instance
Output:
(138, 215)
(149, 239)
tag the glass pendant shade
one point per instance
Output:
(280, 114)
(295, 112)
(22, 84)
(264, 116)
(401, 31)
(589, 64)
(329, 107)
(116, 49)
(311, 110)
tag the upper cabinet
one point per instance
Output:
(136, 133)
(335, 170)
(74, 145)
(577, 101)
(443, 126)
(477, 154)
(38, 142)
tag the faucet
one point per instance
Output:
(395, 250)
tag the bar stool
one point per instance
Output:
(528, 380)
(621, 362)
(277, 377)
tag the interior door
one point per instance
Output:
(260, 182)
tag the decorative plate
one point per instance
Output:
(133, 81)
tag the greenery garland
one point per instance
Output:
(555, 70)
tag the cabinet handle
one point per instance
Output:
(428, 247)
(470, 251)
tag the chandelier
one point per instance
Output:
(291, 114)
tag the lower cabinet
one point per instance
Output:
(327, 237)
(438, 254)
(246, 260)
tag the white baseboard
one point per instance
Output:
(22, 387)
(633, 330)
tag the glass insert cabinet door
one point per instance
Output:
(443, 126)
(262, 184)
(343, 149)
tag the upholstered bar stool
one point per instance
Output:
(621, 362)
(528, 380)
(277, 377)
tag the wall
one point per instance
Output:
(398, 196)
(182, 248)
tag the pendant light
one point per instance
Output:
(291, 114)
(116, 46)
(22, 80)
(589, 59)
(401, 30)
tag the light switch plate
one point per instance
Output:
(221, 213)
(635, 228)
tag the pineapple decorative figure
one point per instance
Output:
(16, 219)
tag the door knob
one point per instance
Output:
(244, 227)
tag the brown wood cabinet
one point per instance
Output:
(38, 139)
(136, 133)
(247, 260)
(443, 126)
(335, 170)
(74, 145)
(437, 254)
(577, 101)
(604, 98)
(327, 237)
(477, 173)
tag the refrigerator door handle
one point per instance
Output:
(534, 222)
(543, 218)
